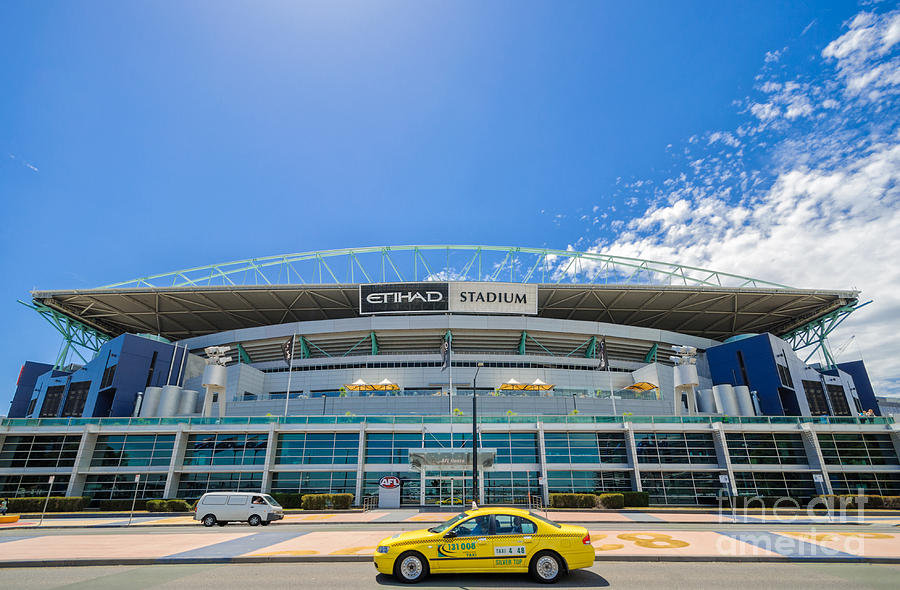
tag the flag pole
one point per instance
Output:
(287, 394)
(450, 368)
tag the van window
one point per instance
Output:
(214, 500)
(271, 500)
(237, 500)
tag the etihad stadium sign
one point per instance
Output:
(463, 297)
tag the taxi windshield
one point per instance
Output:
(446, 525)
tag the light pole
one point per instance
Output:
(475, 433)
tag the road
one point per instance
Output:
(341, 576)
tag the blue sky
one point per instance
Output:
(144, 137)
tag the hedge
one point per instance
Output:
(872, 502)
(324, 501)
(573, 501)
(611, 501)
(116, 505)
(636, 499)
(288, 500)
(172, 505)
(55, 504)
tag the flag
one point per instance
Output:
(288, 350)
(445, 355)
(604, 360)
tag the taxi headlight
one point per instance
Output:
(383, 549)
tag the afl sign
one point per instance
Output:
(389, 482)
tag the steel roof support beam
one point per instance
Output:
(75, 334)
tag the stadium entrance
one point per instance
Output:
(448, 489)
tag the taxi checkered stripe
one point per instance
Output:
(489, 537)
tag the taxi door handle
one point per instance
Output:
(482, 540)
(526, 539)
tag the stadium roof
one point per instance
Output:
(183, 312)
(572, 285)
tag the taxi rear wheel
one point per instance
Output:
(546, 567)
(411, 567)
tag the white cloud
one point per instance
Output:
(810, 194)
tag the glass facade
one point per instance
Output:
(879, 484)
(226, 449)
(193, 485)
(391, 447)
(586, 482)
(30, 486)
(675, 447)
(314, 482)
(47, 452)
(313, 448)
(133, 450)
(512, 447)
(858, 449)
(775, 483)
(766, 448)
(511, 487)
(410, 485)
(120, 486)
(682, 487)
(585, 447)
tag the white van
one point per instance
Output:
(220, 508)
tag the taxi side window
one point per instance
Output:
(514, 525)
(474, 527)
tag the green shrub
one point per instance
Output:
(892, 502)
(573, 501)
(116, 505)
(156, 505)
(611, 501)
(176, 505)
(341, 501)
(288, 500)
(636, 499)
(314, 501)
(55, 504)
(847, 501)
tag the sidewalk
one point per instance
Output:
(253, 545)
(405, 516)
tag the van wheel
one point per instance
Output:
(546, 567)
(410, 567)
(254, 520)
(209, 520)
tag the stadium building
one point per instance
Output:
(325, 371)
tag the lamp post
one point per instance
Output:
(475, 432)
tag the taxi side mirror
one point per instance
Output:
(449, 534)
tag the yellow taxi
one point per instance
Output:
(487, 540)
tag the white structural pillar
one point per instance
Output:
(82, 460)
(178, 451)
(815, 458)
(723, 456)
(545, 489)
(361, 465)
(269, 461)
(631, 453)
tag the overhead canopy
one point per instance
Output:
(183, 312)
(642, 386)
(383, 385)
(537, 385)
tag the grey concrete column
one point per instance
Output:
(83, 460)
(815, 458)
(631, 451)
(895, 438)
(360, 464)
(542, 455)
(177, 461)
(269, 460)
(723, 456)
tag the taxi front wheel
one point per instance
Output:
(410, 567)
(546, 567)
